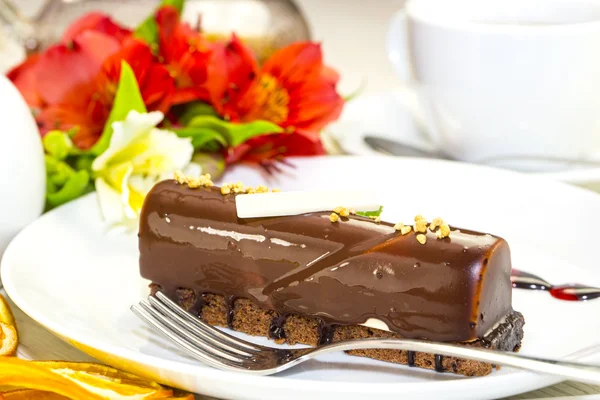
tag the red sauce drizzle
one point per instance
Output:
(569, 292)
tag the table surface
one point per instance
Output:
(353, 36)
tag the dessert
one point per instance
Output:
(330, 275)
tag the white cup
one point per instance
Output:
(513, 83)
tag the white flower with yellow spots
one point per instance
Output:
(138, 156)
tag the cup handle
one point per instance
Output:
(397, 47)
(411, 98)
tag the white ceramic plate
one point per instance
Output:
(388, 114)
(72, 276)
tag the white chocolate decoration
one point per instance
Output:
(279, 204)
(376, 324)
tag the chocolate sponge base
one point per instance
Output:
(244, 316)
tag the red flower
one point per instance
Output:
(88, 105)
(73, 83)
(185, 53)
(96, 21)
(24, 78)
(294, 89)
(65, 68)
(269, 147)
(233, 68)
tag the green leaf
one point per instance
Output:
(235, 133)
(213, 164)
(76, 186)
(201, 137)
(148, 30)
(187, 112)
(127, 98)
(374, 213)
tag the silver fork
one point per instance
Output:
(223, 351)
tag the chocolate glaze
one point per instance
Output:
(411, 358)
(438, 363)
(276, 330)
(452, 289)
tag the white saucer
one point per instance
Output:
(388, 114)
(71, 275)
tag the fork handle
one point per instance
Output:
(565, 369)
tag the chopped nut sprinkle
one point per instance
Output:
(342, 211)
(421, 238)
(334, 217)
(262, 189)
(404, 229)
(180, 177)
(420, 225)
(375, 218)
(193, 183)
(435, 223)
(352, 211)
(275, 190)
(238, 187)
(444, 231)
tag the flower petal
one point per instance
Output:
(193, 170)
(232, 70)
(126, 194)
(268, 147)
(186, 54)
(124, 134)
(295, 64)
(110, 203)
(165, 151)
(139, 186)
(155, 83)
(95, 21)
(24, 78)
(64, 69)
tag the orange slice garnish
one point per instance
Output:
(8, 340)
(80, 381)
(28, 394)
(6, 315)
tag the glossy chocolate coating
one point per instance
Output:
(452, 289)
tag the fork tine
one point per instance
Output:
(199, 324)
(198, 353)
(205, 334)
(217, 350)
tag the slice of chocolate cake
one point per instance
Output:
(323, 276)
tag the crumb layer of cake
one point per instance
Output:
(244, 316)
